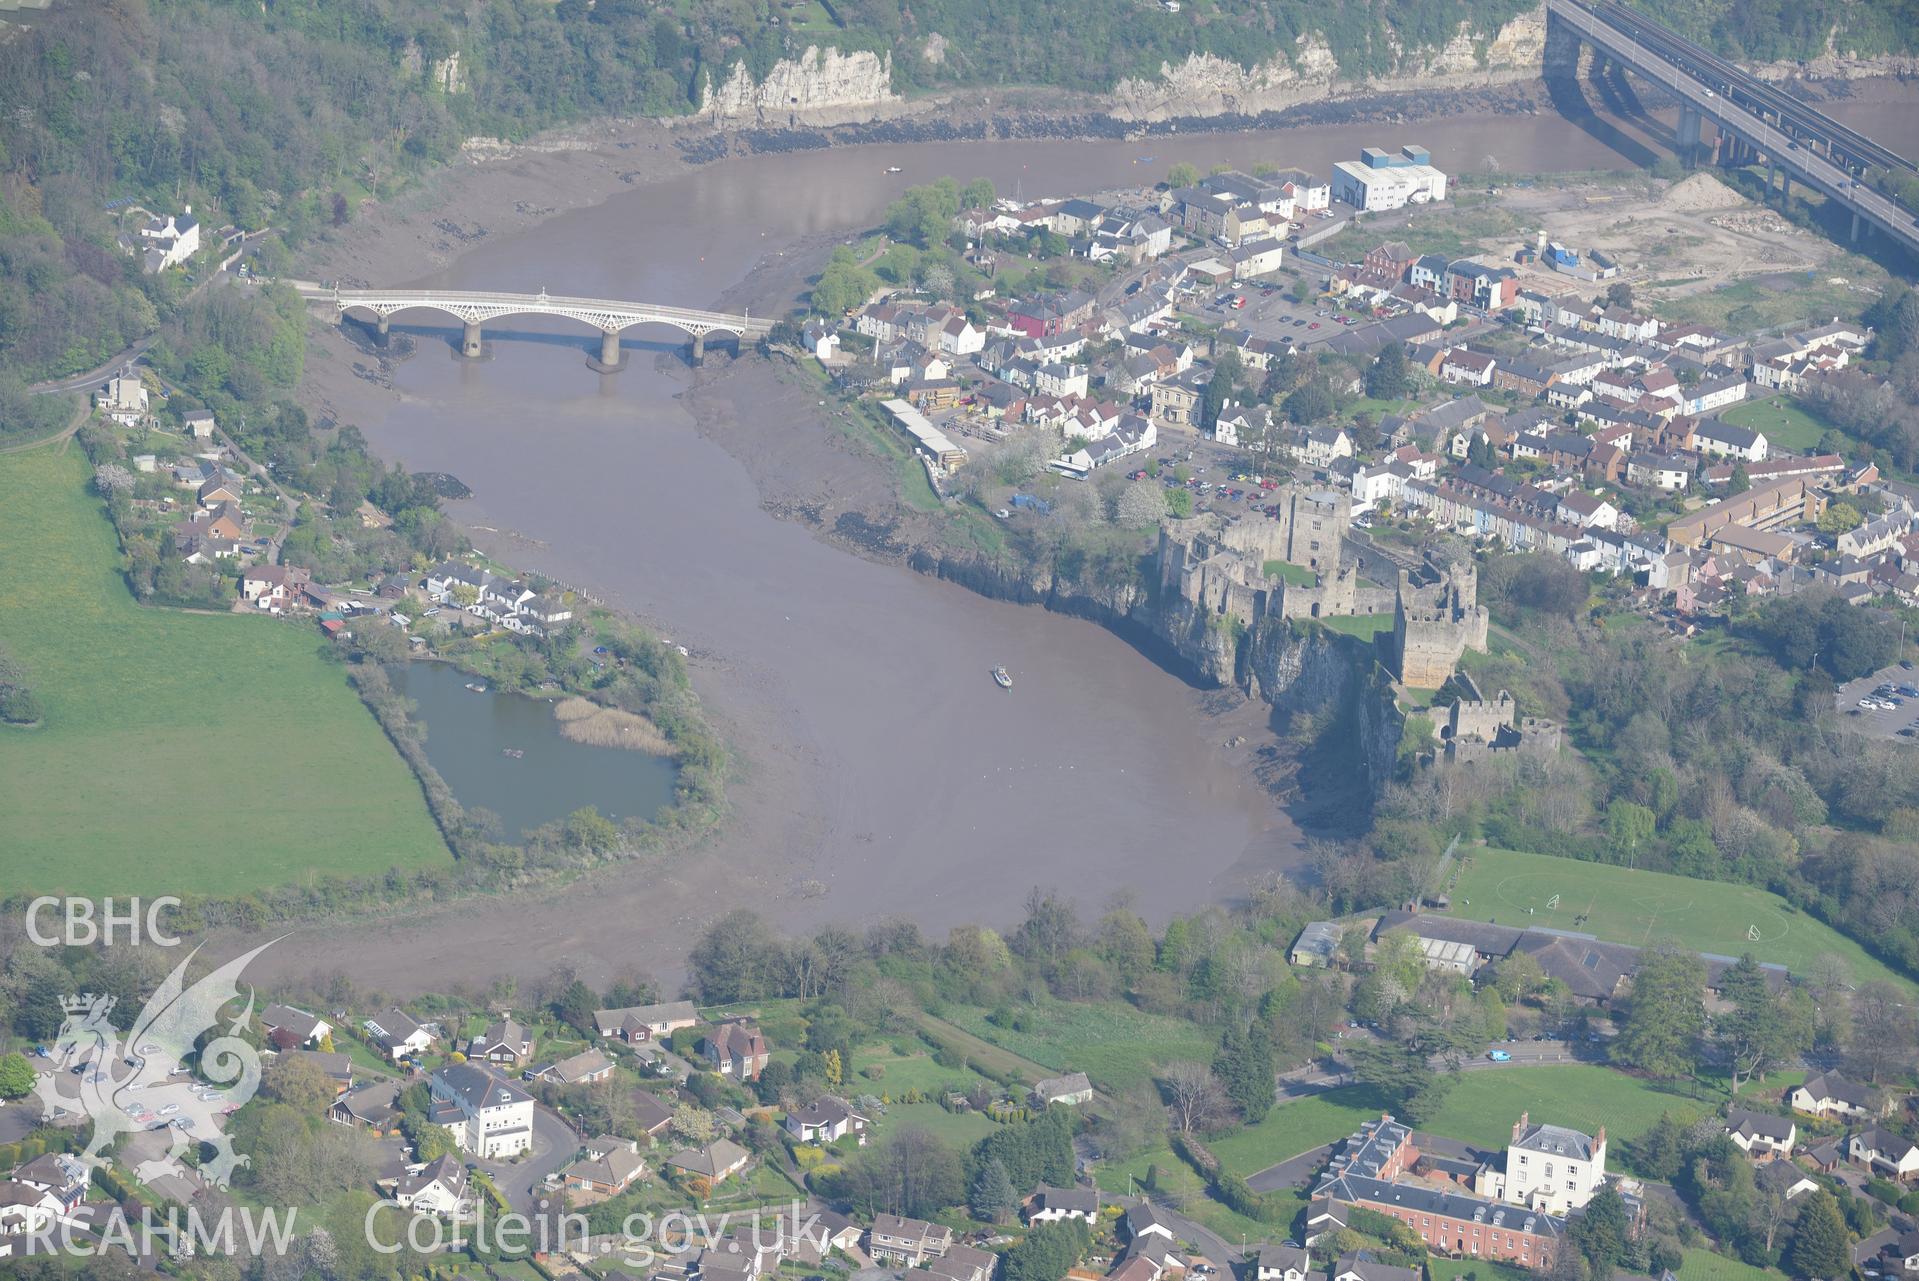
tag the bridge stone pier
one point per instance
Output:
(474, 308)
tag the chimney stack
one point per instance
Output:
(1519, 1126)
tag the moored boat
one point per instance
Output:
(1001, 678)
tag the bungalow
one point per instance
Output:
(373, 1108)
(1051, 1205)
(292, 1026)
(825, 1120)
(395, 1033)
(1761, 1134)
(1831, 1094)
(1884, 1152)
(716, 1162)
(736, 1050)
(335, 1066)
(1071, 1089)
(894, 1238)
(437, 1187)
(610, 1166)
(636, 1023)
(504, 1042)
(583, 1068)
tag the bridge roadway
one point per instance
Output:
(472, 308)
(1797, 141)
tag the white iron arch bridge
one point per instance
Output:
(473, 308)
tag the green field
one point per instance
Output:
(1783, 419)
(1623, 905)
(1480, 1110)
(1113, 1043)
(182, 753)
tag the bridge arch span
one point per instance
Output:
(474, 308)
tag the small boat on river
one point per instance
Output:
(1001, 678)
(476, 687)
(515, 752)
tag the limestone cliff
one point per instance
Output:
(1204, 85)
(819, 87)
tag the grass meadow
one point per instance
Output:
(181, 753)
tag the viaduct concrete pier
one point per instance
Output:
(1753, 121)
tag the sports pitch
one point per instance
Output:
(1625, 905)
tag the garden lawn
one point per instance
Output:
(897, 1073)
(1292, 1128)
(1626, 905)
(1113, 1043)
(960, 1129)
(1785, 421)
(1705, 1265)
(182, 753)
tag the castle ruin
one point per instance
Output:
(1216, 567)
(1436, 618)
(1478, 728)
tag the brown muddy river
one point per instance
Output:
(882, 771)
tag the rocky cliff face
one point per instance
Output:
(1300, 668)
(1204, 85)
(819, 87)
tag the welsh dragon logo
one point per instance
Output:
(138, 1083)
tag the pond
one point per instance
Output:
(469, 737)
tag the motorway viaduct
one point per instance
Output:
(473, 308)
(1755, 120)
